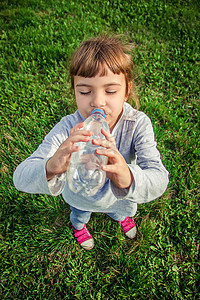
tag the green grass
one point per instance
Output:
(39, 258)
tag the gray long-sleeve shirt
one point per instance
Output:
(134, 138)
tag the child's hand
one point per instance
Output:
(117, 169)
(59, 162)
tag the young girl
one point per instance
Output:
(101, 76)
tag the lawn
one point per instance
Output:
(39, 258)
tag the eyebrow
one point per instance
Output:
(88, 85)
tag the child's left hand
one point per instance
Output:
(117, 169)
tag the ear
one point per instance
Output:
(129, 89)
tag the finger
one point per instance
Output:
(110, 168)
(110, 153)
(74, 133)
(78, 127)
(108, 136)
(81, 133)
(68, 151)
(75, 138)
(75, 148)
(104, 143)
(82, 137)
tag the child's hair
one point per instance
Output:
(95, 54)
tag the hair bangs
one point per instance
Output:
(90, 65)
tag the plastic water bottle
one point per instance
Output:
(84, 173)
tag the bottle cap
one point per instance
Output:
(98, 110)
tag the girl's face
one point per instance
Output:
(104, 92)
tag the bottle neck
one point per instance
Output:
(98, 112)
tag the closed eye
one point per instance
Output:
(111, 92)
(85, 93)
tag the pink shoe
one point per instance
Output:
(128, 227)
(84, 238)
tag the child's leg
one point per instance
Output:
(126, 223)
(79, 217)
(116, 217)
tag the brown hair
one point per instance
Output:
(96, 53)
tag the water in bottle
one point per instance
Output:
(84, 173)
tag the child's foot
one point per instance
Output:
(84, 238)
(128, 227)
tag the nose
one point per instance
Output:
(98, 100)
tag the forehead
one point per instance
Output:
(101, 80)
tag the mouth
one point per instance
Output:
(106, 114)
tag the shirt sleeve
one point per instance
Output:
(150, 176)
(30, 175)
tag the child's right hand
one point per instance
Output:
(59, 162)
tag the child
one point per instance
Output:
(101, 76)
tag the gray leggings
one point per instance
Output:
(79, 217)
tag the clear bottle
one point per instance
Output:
(84, 173)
